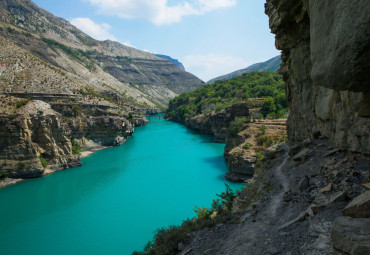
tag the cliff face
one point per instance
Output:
(36, 130)
(218, 123)
(325, 53)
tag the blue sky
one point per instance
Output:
(210, 37)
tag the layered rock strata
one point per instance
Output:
(325, 52)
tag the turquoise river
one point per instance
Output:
(114, 203)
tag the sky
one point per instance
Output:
(210, 37)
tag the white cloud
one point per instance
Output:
(159, 11)
(97, 31)
(210, 66)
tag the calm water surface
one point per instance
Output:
(118, 198)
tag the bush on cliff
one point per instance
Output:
(237, 125)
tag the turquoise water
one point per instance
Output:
(118, 198)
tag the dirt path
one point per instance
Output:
(283, 181)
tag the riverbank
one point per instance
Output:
(118, 190)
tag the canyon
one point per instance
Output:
(63, 92)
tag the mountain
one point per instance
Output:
(61, 91)
(175, 61)
(108, 66)
(270, 65)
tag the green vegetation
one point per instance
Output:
(166, 240)
(131, 118)
(76, 109)
(76, 148)
(217, 96)
(44, 162)
(22, 102)
(237, 125)
(78, 54)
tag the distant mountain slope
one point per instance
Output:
(175, 61)
(108, 67)
(270, 65)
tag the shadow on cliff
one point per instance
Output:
(218, 163)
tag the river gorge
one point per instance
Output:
(118, 198)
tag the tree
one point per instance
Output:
(268, 106)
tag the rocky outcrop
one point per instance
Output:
(359, 207)
(245, 150)
(217, 123)
(325, 52)
(37, 140)
(35, 132)
(351, 236)
(107, 131)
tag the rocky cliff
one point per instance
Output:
(325, 52)
(310, 195)
(62, 90)
(269, 65)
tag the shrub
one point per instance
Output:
(263, 129)
(76, 148)
(261, 139)
(237, 125)
(22, 102)
(131, 118)
(76, 109)
(44, 162)
(270, 141)
(247, 145)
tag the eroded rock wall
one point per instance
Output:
(325, 53)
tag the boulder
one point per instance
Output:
(351, 236)
(359, 206)
(327, 188)
(302, 155)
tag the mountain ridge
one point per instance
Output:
(270, 65)
(175, 61)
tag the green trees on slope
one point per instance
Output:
(217, 96)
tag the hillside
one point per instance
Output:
(109, 66)
(267, 86)
(62, 92)
(269, 65)
(246, 112)
(175, 61)
(310, 195)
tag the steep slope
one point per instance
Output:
(140, 74)
(326, 71)
(175, 61)
(269, 65)
(311, 195)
